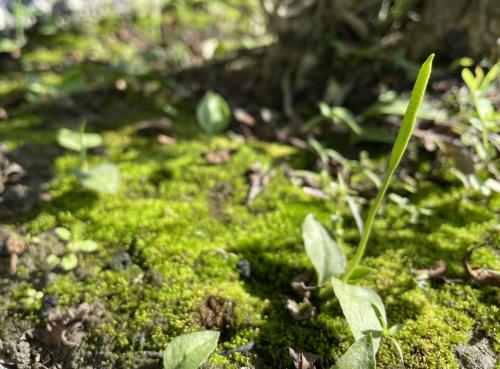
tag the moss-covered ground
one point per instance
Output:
(185, 225)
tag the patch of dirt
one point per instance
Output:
(218, 313)
(477, 354)
(25, 173)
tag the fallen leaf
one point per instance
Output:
(481, 275)
(60, 328)
(13, 246)
(305, 360)
(155, 127)
(166, 140)
(258, 178)
(303, 311)
(218, 157)
(434, 271)
(300, 284)
(241, 115)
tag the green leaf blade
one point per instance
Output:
(325, 254)
(410, 116)
(104, 178)
(85, 245)
(75, 141)
(360, 355)
(357, 305)
(63, 233)
(398, 150)
(213, 113)
(190, 350)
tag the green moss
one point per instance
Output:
(185, 225)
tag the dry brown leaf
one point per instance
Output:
(218, 157)
(155, 127)
(13, 246)
(241, 115)
(481, 275)
(434, 271)
(300, 284)
(305, 360)
(258, 178)
(61, 328)
(303, 311)
(166, 140)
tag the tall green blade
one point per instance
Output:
(398, 150)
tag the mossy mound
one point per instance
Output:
(170, 241)
(185, 225)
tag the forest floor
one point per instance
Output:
(183, 246)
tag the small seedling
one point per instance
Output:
(337, 115)
(480, 131)
(69, 260)
(362, 307)
(191, 350)
(213, 113)
(29, 297)
(104, 177)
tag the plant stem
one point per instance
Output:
(83, 151)
(368, 226)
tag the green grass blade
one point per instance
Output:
(398, 150)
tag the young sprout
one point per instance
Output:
(190, 350)
(362, 307)
(104, 177)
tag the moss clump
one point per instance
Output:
(184, 224)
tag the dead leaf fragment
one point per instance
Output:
(166, 140)
(155, 127)
(302, 311)
(300, 284)
(62, 328)
(13, 246)
(483, 276)
(218, 157)
(305, 360)
(258, 178)
(434, 271)
(241, 115)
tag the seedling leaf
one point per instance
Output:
(326, 255)
(213, 113)
(69, 262)
(361, 355)
(469, 80)
(101, 178)
(85, 245)
(398, 150)
(77, 141)
(360, 272)
(398, 349)
(190, 350)
(395, 329)
(346, 116)
(62, 233)
(410, 116)
(356, 303)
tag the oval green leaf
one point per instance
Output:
(213, 113)
(357, 305)
(190, 350)
(360, 355)
(63, 233)
(360, 272)
(69, 262)
(101, 178)
(77, 141)
(325, 254)
(85, 245)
